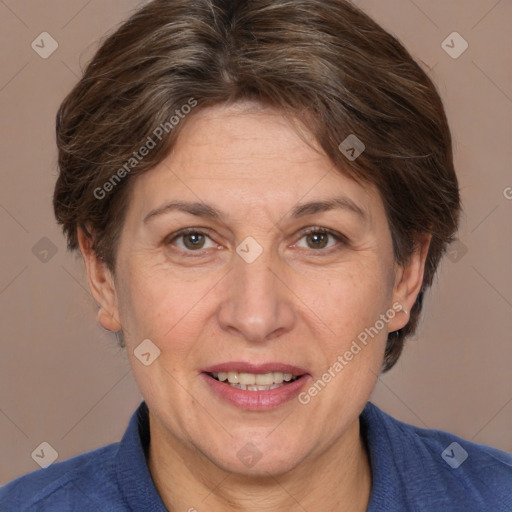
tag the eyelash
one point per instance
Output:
(341, 239)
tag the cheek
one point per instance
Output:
(172, 307)
(354, 295)
(162, 305)
(351, 329)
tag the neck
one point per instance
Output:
(337, 479)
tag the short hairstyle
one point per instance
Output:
(324, 62)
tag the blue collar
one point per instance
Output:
(132, 471)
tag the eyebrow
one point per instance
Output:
(204, 210)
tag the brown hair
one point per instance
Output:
(324, 60)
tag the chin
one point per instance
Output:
(255, 457)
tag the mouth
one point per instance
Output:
(254, 381)
(255, 387)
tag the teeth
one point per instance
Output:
(247, 379)
(265, 379)
(252, 382)
(278, 377)
(232, 377)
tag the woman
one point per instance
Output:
(261, 192)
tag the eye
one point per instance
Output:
(191, 240)
(318, 238)
(196, 240)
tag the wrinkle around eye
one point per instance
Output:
(340, 241)
(338, 237)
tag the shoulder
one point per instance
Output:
(81, 483)
(431, 468)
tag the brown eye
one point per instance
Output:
(193, 240)
(317, 240)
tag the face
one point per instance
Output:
(258, 276)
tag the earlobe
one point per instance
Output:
(408, 282)
(101, 283)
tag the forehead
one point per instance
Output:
(243, 142)
(244, 157)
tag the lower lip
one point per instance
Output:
(256, 400)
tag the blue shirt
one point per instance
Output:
(413, 470)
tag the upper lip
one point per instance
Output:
(244, 367)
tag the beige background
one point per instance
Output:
(62, 378)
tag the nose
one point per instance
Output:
(257, 301)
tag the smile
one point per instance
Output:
(255, 382)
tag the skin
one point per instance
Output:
(302, 301)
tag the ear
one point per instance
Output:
(408, 282)
(101, 284)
